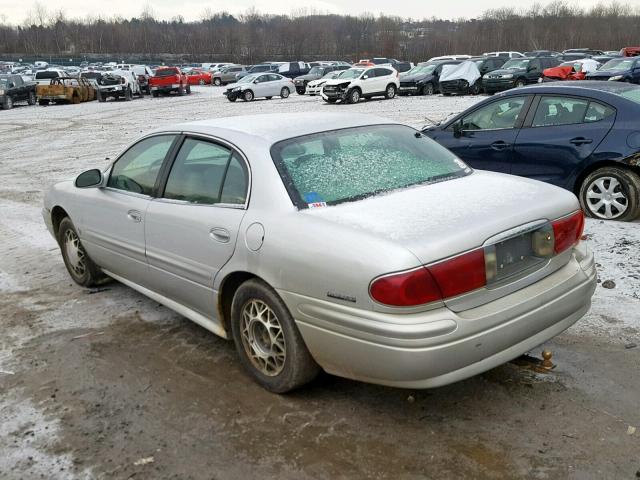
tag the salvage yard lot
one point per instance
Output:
(106, 383)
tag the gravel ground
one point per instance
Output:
(108, 384)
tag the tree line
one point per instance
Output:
(253, 36)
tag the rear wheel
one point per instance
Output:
(128, 96)
(247, 95)
(268, 342)
(611, 193)
(390, 92)
(43, 102)
(217, 82)
(202, 82)
(284, 93)
(32, 98)
(181, 90)
(81, 268)
(300, 90)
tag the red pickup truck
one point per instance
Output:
(167, 80)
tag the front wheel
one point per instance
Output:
(611, 193)
(354, 96)
(284, 93)
(81, 268)
(8, 103)
(300, 90)
(247, 96)
(267, 340)
(428, 89)
(217, 82)
(202, 82)
(520, 83)
(390, 92)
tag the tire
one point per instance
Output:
(217, 82)
(300, 90)
(247, 96)
(285, 92)
(43, 102)
(101, 98)
(80, 267)
(354, 96)
(611, 193)
(188, 89)
(8, 103)
(32, 98)
(390, 92)
(520, 83)
(268, 342)
(428, 89)
(330, 100)
(128, 96)
(154, 93)
(475, 89)
(232, 98)
(202, 82)
(180, 91)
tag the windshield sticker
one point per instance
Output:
(313, 197)
(317, 204)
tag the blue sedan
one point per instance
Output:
(583, 136)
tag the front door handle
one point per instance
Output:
(500, 145)
(219, 234)
(580, 141)
(134, 216)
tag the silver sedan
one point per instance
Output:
(267, 85)
(351, 244)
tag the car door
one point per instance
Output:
(192, 227)
(484, 138)
(560, 133)
(383, 77)
(534, 70)
(113, 217)
(276, 82)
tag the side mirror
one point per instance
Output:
(90, 178)
(457, 130)
(12, 85)
(364, 77)
(255, 81)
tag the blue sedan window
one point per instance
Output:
(553, 111)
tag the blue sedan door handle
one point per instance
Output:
(580, 141)
(500, 145)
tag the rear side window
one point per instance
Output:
(207, 173)
(553, 111)
(345, 165)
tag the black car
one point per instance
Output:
(13, 89)
(517, 72)
(462, 87)
(584, 51)
(315, 73)
(541, 53)
(423, 79)
(579, 135)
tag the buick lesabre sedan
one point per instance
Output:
(351, 244)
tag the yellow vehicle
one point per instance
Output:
(66, 90)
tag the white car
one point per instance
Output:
(44, 77)
(359, 82)
(118, 84)
(267, 85)
(314, 87)
(450, 57)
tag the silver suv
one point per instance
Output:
(227, 75)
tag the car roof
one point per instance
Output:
(572, 87)
(274, 127)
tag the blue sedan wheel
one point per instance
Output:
(611, 193)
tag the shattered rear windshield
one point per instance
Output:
(338, 166)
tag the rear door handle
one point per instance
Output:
(580, 141)
(219, 234)
(134, 216)
(500, 145)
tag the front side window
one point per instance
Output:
(349, 164)
(137, 169)
(554, 111)
(207, 173)
(497, 115)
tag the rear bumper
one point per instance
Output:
(439, 347)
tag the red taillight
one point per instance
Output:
(567, 231)
(405, 289)
(460, 274)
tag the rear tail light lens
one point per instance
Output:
(469, 271)
(567, 231)
(405, 289)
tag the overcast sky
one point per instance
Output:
(16, 11)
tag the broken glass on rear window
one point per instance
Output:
(343, 165)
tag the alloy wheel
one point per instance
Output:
(606, 198)
(75, 253)
(263, 338)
